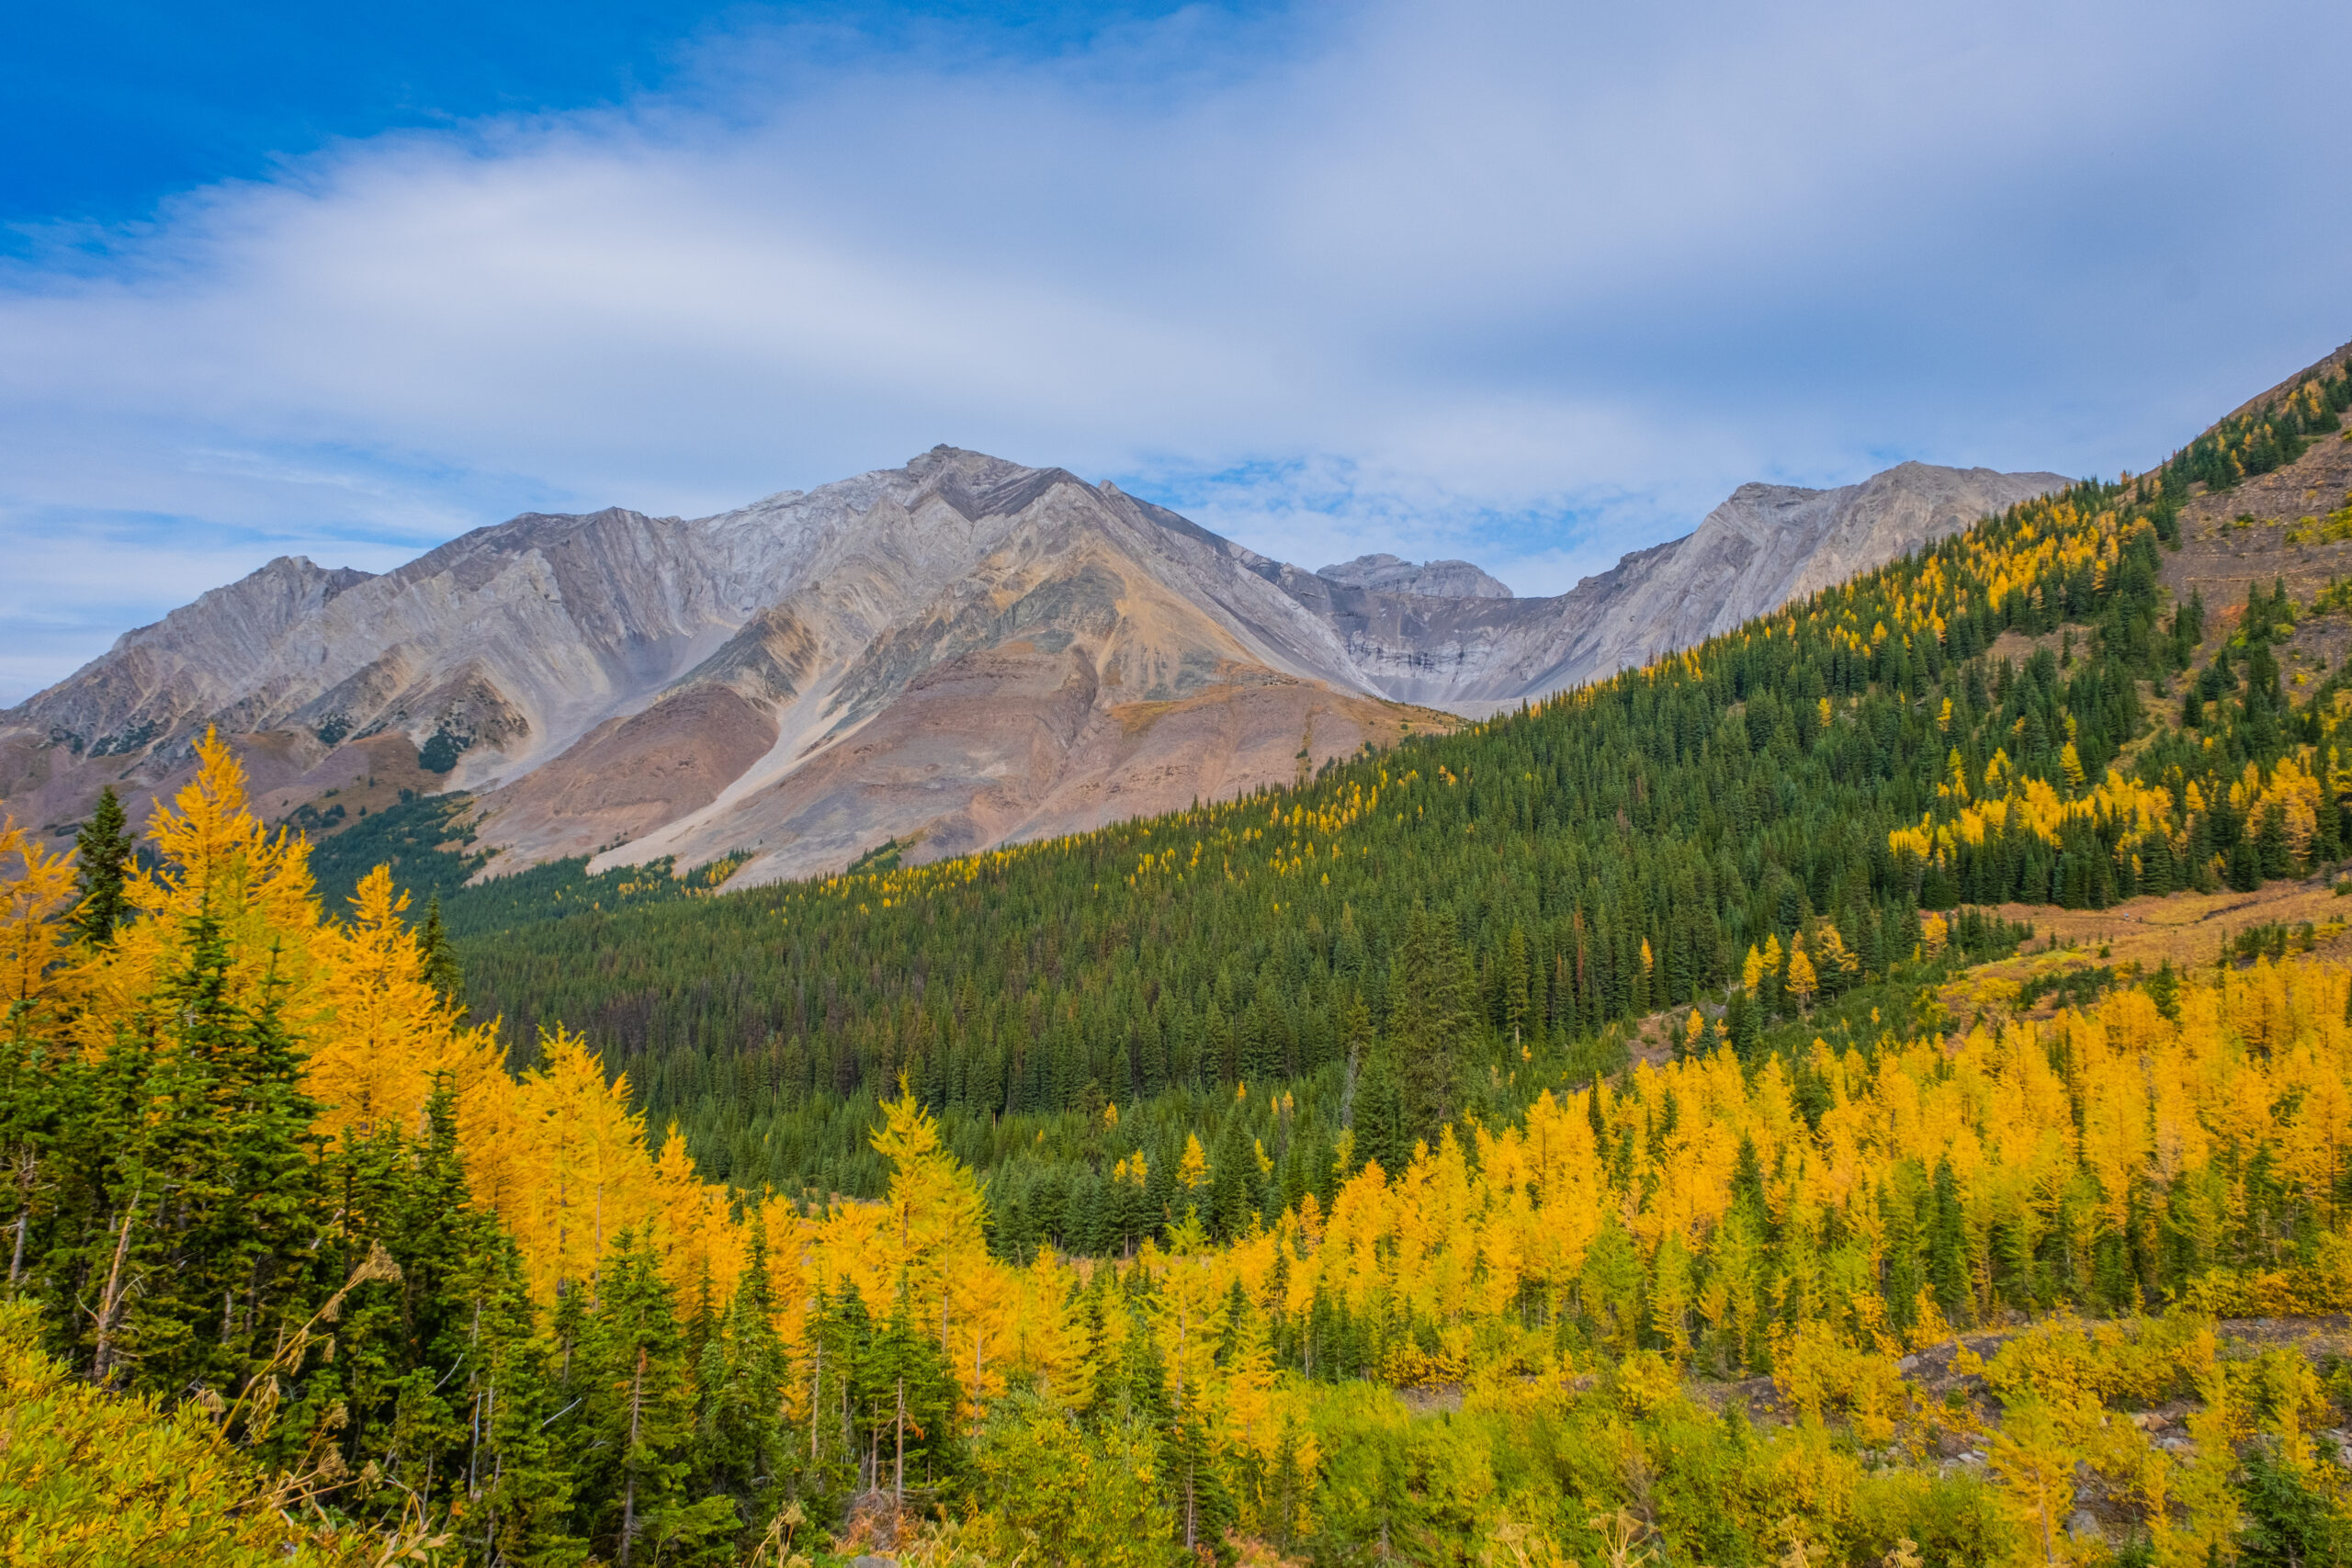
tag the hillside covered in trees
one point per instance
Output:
(2022, 714)
(302, 1274)
(1275, 1180)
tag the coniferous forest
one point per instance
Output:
(1547, 1142)
(1459, 923)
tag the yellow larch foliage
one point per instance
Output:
(210, 858)
(692, 1224)
(1836, 957)
(1461, 1241)
(561, 1156)
(1803, 981)
(36, 892)
(558, 1156)
(591, 1177)
(1192, 1170)
(1032, 1326)
(386, 1035)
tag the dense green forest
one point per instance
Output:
(425, 839)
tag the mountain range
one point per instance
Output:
(934, 659)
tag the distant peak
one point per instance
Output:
(304, 571)
(1384, 573)
(303, 566)
(958, 457)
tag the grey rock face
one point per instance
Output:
(1766, 545)
(1436, 580)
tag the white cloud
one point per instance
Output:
(1531, 283)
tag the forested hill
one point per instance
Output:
(301, 1273)
(1431, 933)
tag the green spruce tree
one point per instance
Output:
(640, 1405)
(102, 856)
(443, 971)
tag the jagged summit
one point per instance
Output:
(1386, 573)
(950, 654)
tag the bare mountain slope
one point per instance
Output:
(957, 653)
(1087, 663)
(952, 653)
(1763, 547)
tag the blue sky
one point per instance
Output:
(1532, 283)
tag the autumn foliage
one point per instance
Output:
(613, 1356)
(1264, 1182)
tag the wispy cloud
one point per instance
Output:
(1533, 283)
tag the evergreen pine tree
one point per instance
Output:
(443, 971)
(1902, 1277)
(1202, 1505)
(1743, 1025)
(1383, 1131)
(102, 859)
(2273, 852)
(1515, 994)
(461, 1296)
(640, 1405)
(2163, 989)
(1430, 1020)
(212, 1190)
(740, 1442)
(1948, 1274)
(1232, 1176)
(907, 1402)
(526, 1491)
(2245, 865)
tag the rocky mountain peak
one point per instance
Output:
(1384, 573)
(952, 654)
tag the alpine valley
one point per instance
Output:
(960, 1020)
